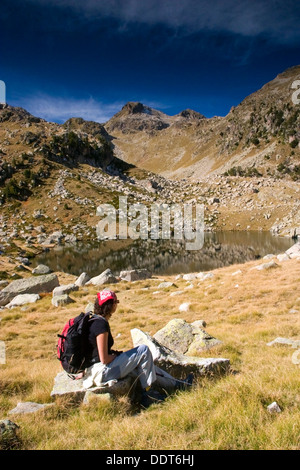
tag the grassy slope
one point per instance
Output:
(245, 311)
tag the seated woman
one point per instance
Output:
(109, 365)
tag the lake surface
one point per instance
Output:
(163, 257)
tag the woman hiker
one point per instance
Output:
(109, 365)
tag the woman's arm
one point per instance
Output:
(102, 345)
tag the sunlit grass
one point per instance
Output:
(245, 312)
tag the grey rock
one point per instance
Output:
(106, 277)
(31, 285)
(28, 407)
(60, 300)
(266, 266)
(64, 289)
(179, 365)
(185, 338)
(274, 408)
(286, 342)
(82, 280)
(23, 299)
(41, 269)
(294, 251)
(63, 385)
(135, 275)
(165, 284)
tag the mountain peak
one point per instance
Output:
(191, 114)
(135, 107)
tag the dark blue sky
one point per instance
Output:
(64, 58)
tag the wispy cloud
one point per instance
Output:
(278, 19)
(58, 109)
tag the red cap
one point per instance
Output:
(105, 295)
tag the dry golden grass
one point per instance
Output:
(245, 311)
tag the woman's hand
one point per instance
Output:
(102, 345)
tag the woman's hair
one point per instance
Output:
(104, 309)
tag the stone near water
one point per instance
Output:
(41, 269)
(266, 266)
(106, 277)
(32, 285)
(135, 275)
(294, 251)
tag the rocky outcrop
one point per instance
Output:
(185, 338)
(176, 364)
(32, 285)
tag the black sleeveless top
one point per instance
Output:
(98, 326)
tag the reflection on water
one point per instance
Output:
(163, 256)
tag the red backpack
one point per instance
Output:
(72, 346)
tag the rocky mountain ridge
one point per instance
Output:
(262, 132)
(243, 168)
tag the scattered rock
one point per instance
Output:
(82, 280)
(164, 285)
(32, 285)
(285, 341)
(28, 407)
(23, 299)
(107, 277)
(64, 289)
(204, 276)
(135, 275)
(274, 408)
(61, 300)
(184, 307)
(283, 257)
(41, 269)
(294, 251)
(266, 266)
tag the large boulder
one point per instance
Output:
(177, 364)
(31, 285)
(294, 251)
(65, 386)
(107, 277)
(64, 289)
(185, 338)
